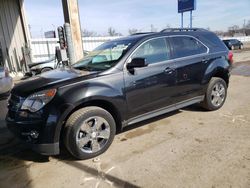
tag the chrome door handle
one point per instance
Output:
(169, 70)
(204, 60)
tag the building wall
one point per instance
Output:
(12, 34)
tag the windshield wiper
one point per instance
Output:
(84, 68)
(90, 69)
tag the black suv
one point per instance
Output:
(233, 44)
(120, 83)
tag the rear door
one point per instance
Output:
(191, 61)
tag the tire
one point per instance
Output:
(216, 91)
(46, 69)
(84, 137)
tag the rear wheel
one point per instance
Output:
(89, 132)
(215, 95)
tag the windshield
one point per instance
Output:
(105, 56)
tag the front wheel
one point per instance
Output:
(215, 95)
(89, 132)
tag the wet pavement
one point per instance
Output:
(241, 68)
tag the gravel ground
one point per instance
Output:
(186, 148)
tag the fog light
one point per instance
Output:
(34, 134)
(24, 114)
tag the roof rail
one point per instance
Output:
(141, 33)
(182, 29)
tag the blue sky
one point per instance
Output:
(98, 15)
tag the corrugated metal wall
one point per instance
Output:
(12, 36)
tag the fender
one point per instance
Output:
(217, 67)
(86, 93)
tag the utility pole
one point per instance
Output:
(72, 19)
(191, 19)
(182, 20)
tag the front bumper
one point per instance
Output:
(24, 130)
(41, 130)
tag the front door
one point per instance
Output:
(152, 87)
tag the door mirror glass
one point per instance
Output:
(136, 63)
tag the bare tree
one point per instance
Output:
(220, 33)
(152, 28)
(87, 33)
(167, 26)
(133, 31)
(233, 29)
(247, 26)
(111, 31)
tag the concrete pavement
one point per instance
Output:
(186, 148)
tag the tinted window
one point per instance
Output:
(186, 46)
(236, 41)
(153, 51)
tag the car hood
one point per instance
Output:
(51, 79)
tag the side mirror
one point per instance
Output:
(137, 63)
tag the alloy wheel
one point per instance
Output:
(93, 134)
(218, 94)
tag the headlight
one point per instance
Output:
(37, 101)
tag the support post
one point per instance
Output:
(191, 19)
(182, 20)
(71, 50)
(71, 16)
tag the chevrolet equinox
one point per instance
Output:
(120, 83)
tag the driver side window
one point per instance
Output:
(153, 51)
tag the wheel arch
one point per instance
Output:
(222, 74)
(106, 105)
(218, 68)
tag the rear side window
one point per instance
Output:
(153, 51)
(186, 46)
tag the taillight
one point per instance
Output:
(7, 73)
(230, 57)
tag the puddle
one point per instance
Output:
(241, 68)
(142, 130)
(10, 163)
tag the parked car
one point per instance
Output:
(120, 83)
(233, 44)
(6, 83)
(43, 66)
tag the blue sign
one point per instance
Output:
(186, 5)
